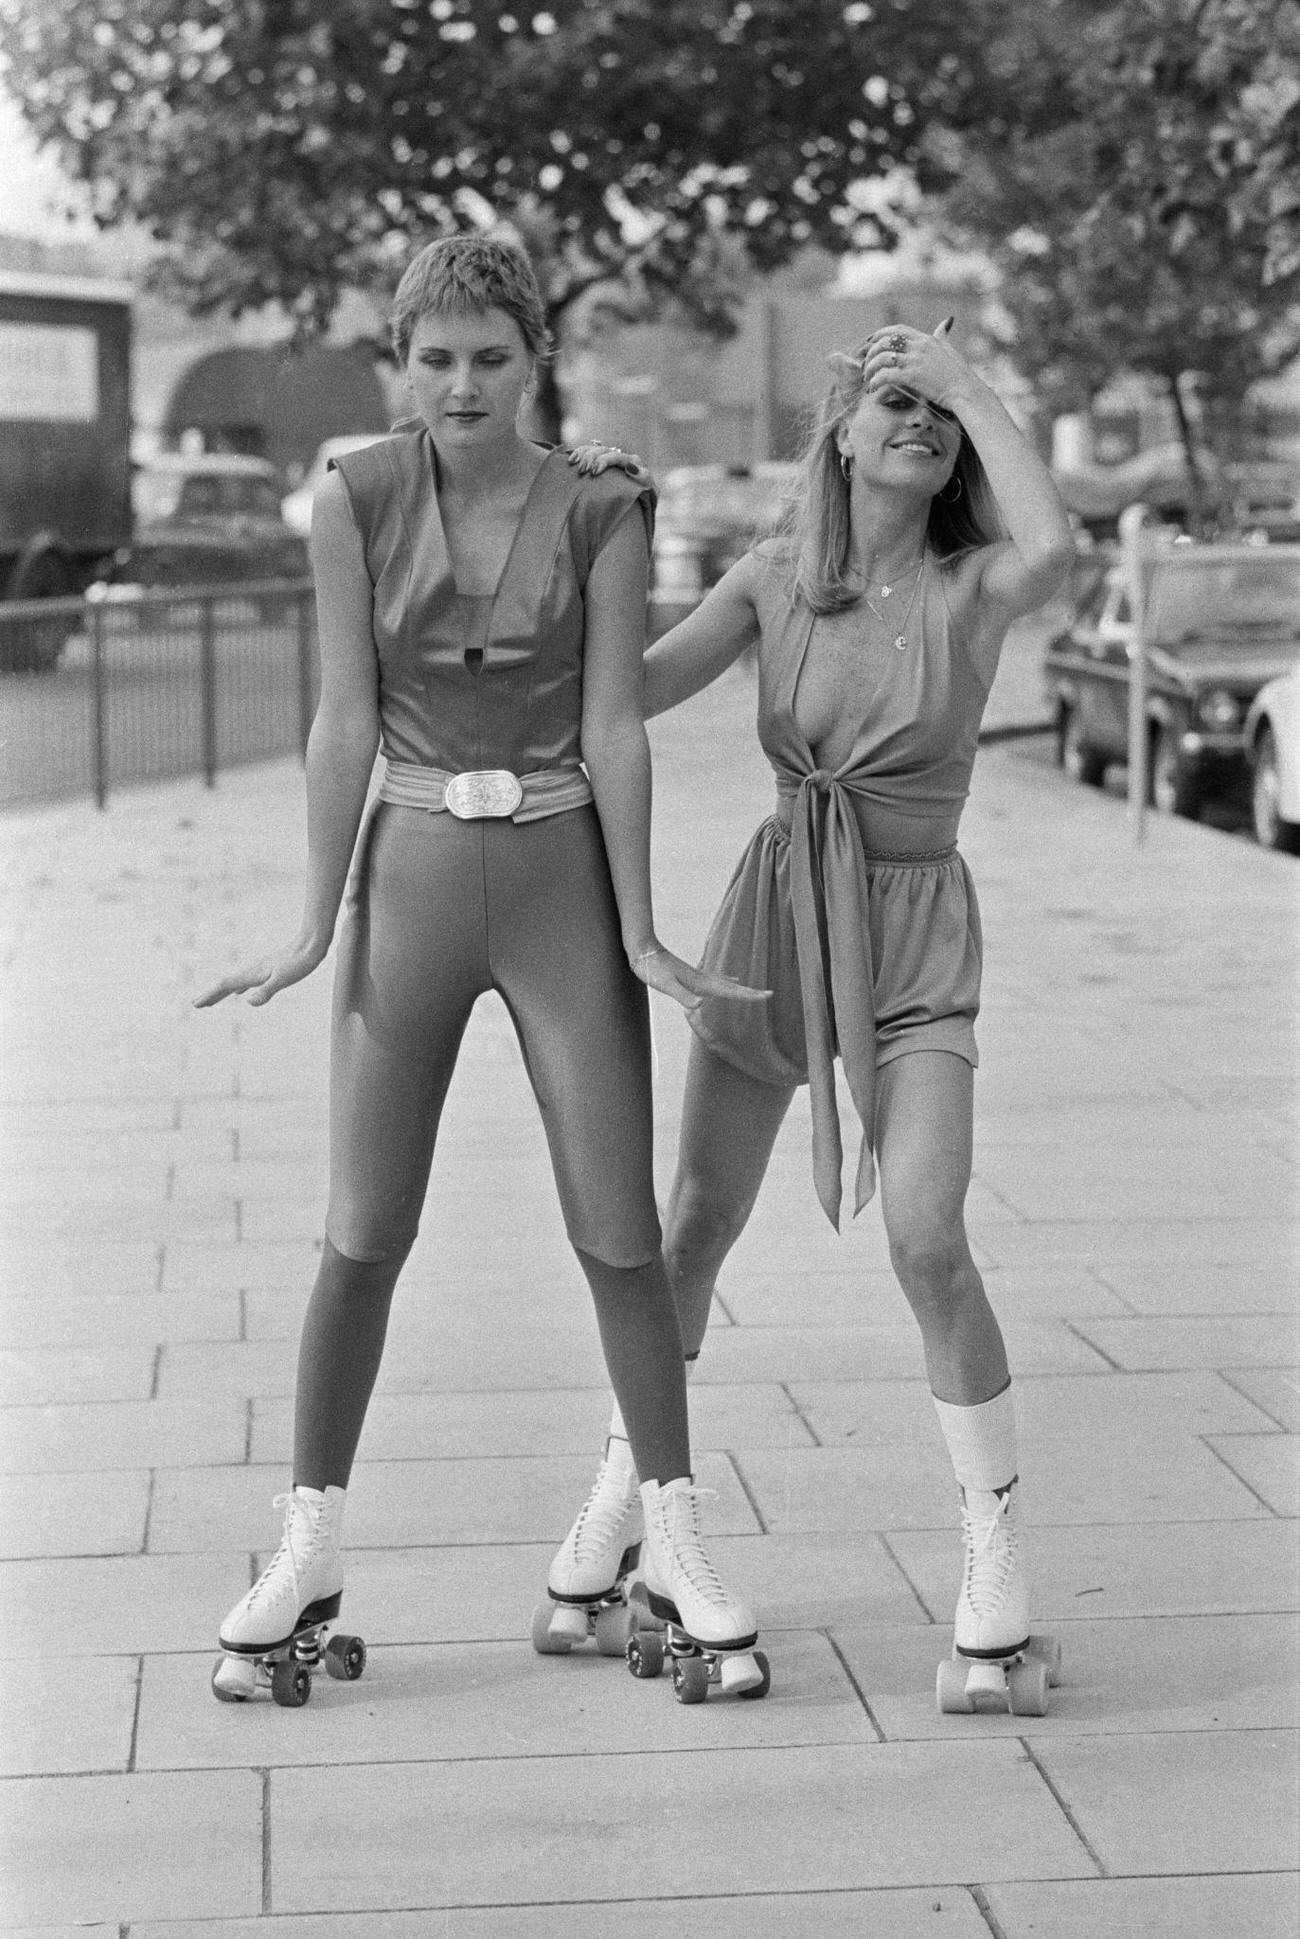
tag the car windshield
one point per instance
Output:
(1247, 598)
(203, 494)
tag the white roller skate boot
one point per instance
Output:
(587, 1584)
(271, 1638)
(994, 1656)
(710, 1633)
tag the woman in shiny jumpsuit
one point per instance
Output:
(481, 610)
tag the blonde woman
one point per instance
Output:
(925, 525)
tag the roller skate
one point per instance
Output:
(589, 1579)
(271, 1640)
(995, 1662)
(708, 1633)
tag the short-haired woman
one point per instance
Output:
(482, 615)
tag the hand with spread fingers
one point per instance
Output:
(660, 970)
(258, 982)
(924, 366)
(592, 457)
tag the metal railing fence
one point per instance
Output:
(102, 692)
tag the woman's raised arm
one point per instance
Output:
(700, 647)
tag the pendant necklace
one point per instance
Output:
(899, 642)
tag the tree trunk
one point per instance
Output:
(1196, 484)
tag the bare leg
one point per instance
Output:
(729, 1125)
(924, 1111)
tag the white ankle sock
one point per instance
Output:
(982, 1443)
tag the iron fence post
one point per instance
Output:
(1134, 522)
(208, 688)
(98, 706)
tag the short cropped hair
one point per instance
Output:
(459, 275)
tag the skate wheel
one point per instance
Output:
(1027, 1686)
(950, 1688)
(234, 1679)
(690, 1679)
(761, 1688)
(645, 1653)
(545, 1640)
(1047, 1649)
(613, 1629)
(345, 1658)
(290, 1684)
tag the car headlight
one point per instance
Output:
(1218, 708)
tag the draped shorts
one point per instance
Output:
(439, 912)
(925, 945)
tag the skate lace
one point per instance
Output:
(601, 1516)
(688, 1549)
(285, 1553)
(990, 1558)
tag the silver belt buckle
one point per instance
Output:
(483, 792)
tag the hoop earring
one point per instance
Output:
(951, 499)
(846, 466)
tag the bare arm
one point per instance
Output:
(1020, 572)
(617, 757)
(704, 644)
(340, 750)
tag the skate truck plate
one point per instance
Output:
(697, 1668)
(1018, 1682)
(285, 1668)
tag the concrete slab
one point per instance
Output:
(86, 1514)
(1268, 1464)
(140, 1846)
(1146, 1569)
(45, 1377)
(483, 1701)
(128, 1319)
(29, 1263)
(939, 1912)
(1226, 1340)
(1264, 1905)
(1274, 1390)
(119, 1604)
(1124, 1677)
(1193, 1287)
(1183, 1803)
(123, 1434)
(412, 1503)
(891, 1352)
(1105, 1243)
(406, 1427)
(636, 1826)
(76, 1718)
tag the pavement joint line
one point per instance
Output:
(981, 1900)
(135, 1713)
(1241, 1480)
(1112, 1365)
(148, 1514)
(1062, 1806)
(1225, 1375)
(267, 1906)
(801, 1413)
(854, 1685)
(883, 1538)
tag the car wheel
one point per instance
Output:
(1272, 830)
(1173, 790)
(1077, 756)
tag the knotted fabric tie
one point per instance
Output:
(828, 891)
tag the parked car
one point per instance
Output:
(708, 517)
(205, 520)
(1272, 737)
(296, 508)
(1221, 621)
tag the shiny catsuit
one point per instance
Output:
(441, 910)
(851, 903)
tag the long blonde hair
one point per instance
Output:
(816, 524)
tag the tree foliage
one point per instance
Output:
(1156, 226)
(286, 149)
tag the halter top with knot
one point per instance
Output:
(910, 722)
(468, 682)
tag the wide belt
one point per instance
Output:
(485, 793)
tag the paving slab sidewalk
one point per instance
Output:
(1133, 1210)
